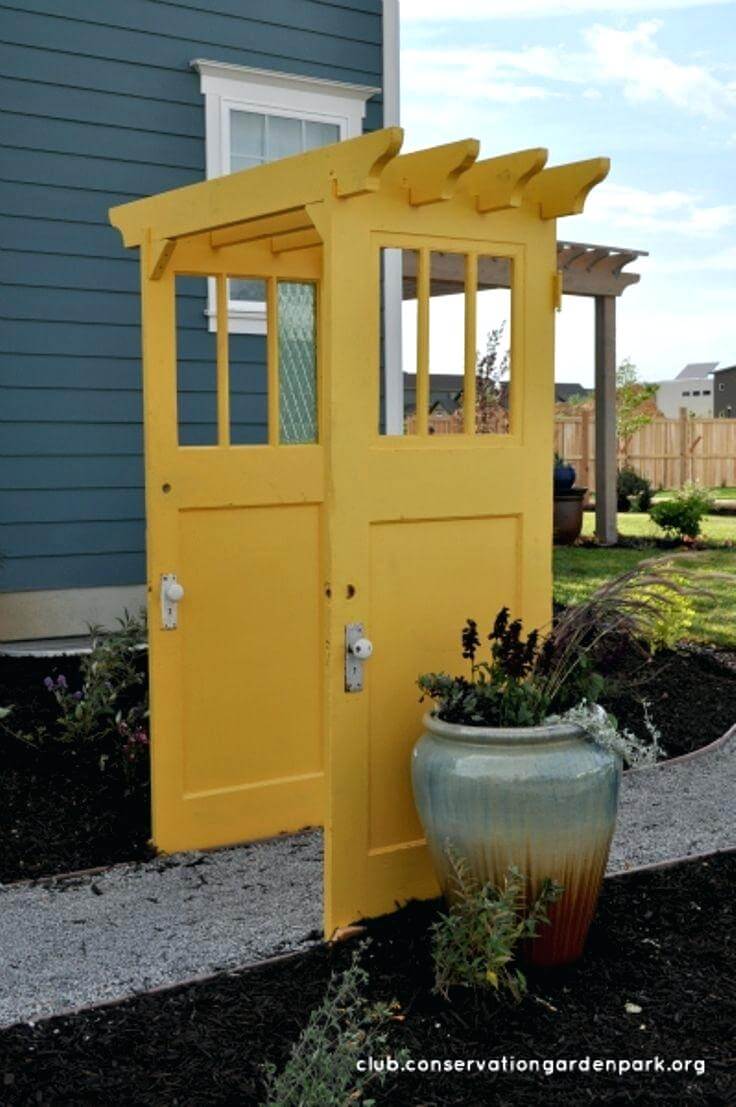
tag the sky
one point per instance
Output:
(650, 85)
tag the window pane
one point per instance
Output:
(247, 138)
(320, 134)
(196, 365)
(248, 390)
(284, 137)
(398, 325)
(247, 291)
(493, 343)
(446, 342)
(297, 362)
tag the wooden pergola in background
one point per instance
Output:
(585, 270)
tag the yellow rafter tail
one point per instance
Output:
(563, 189)
(499, 183)
(432, 175)
(347, 168)
(361, 171)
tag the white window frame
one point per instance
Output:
(226, 88)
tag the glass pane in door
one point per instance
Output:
(297, 362)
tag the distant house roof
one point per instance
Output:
(697, 369)
(563, 392)
(725, 369)
(445, 391)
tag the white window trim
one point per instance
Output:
(226, 87)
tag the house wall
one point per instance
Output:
(101, 107)
(724, 393)
(672, 395)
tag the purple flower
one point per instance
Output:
(48, 684)
(61, 681)
(77, 696)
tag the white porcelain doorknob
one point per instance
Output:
(174, 591)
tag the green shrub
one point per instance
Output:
(321, 1070)
(475, 943)
(633, 490)
(682, 515)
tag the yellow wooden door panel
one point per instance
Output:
(426, 578)
(251, 620)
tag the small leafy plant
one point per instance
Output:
(108, 714)
(602, 728)
(321, 1069)
(682, 515)
(475, 944)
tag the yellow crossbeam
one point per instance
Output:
(256, 229)
(346, 168)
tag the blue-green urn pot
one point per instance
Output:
(542, 798)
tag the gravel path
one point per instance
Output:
(69, 943)
(677, 810)
(74, 942)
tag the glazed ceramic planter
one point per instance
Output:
(542, 798)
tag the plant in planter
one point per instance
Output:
(563, 474)
(568, 503)
(519, 766)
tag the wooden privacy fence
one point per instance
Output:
(669, 452)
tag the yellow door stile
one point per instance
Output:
(223, 362)
(423, 291)
(160, 444)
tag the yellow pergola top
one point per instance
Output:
(271, 199)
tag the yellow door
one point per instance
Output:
(424, 530)
(236, 680)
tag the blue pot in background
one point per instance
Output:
(564, 478)
(541, 798)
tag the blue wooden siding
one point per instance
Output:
(100, 107)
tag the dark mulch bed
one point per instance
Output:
(58, 811)
(662, 940)
(691, 695)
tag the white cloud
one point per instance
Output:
(627, 61)
(478, 74)
(669, 212)
(633, 59)
(439, 11)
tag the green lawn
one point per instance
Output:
(580, 570)
(716, 528)
(716, 493)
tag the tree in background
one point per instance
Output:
(491, 398)
(635, 403)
